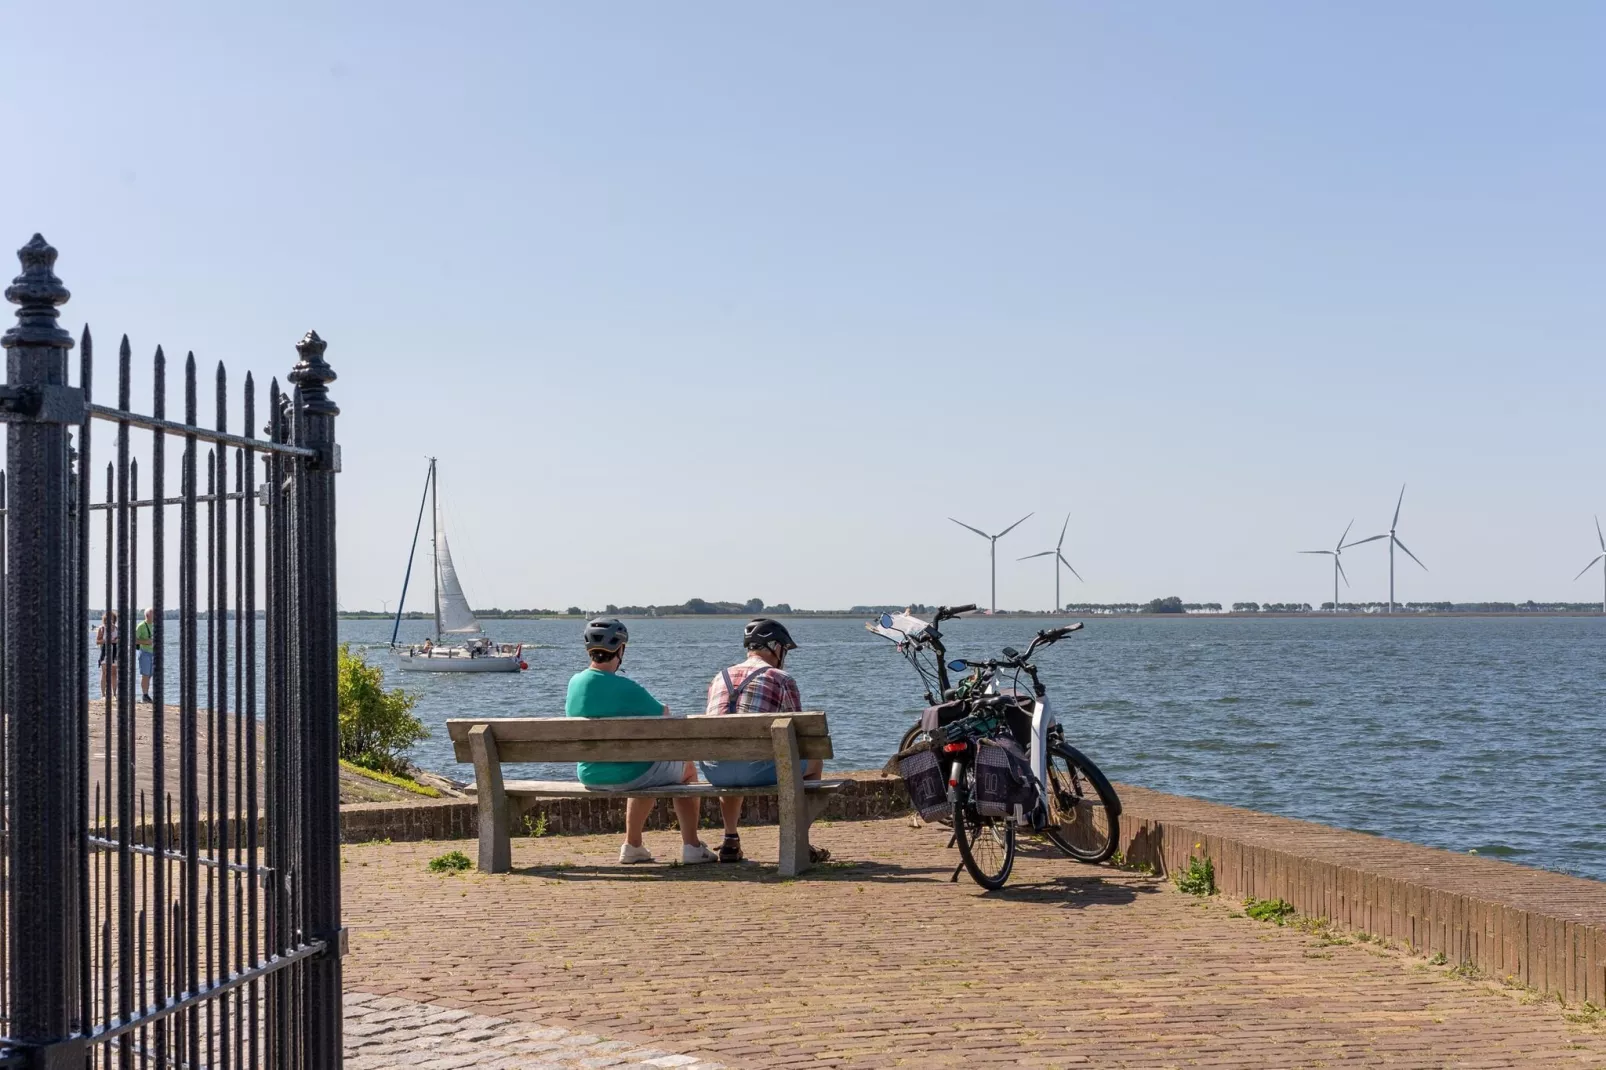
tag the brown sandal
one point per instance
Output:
(730, 848)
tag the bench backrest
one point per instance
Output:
(735, 737)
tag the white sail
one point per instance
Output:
(456, 616)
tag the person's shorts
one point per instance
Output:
(742, 774)
(658, 775)
(145, 660)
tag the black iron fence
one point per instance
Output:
(170, 871)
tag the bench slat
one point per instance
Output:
(565, 729)
(644, 750)
(568, 789)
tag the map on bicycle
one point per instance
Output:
(899, 627)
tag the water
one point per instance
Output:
(1465, 733)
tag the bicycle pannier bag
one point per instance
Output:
(928, 791)
(1005, 786)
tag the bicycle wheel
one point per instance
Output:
(909, 737)
(986, 844)
(1089, 811)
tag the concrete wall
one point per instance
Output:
(1541, 929)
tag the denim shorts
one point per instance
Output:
(658, 775)
(743, 774)
(145, 663)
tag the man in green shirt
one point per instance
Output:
(145, 644)
(600, 691)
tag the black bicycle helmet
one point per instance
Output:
(764, 632)
(605, 634)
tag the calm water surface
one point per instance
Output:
(1465, 733)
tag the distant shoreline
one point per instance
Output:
(1027, 615)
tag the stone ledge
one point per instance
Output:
(1542, 929)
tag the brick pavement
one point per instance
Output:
(878, 961)
(386, 1031)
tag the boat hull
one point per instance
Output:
(459, 663)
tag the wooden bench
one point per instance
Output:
(786, 738)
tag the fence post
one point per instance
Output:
(318, 712)
(40, 667)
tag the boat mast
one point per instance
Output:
(401, 603)
(434, 540)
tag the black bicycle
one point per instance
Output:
(975, 728)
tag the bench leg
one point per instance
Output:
(496, 849)
(794, 807)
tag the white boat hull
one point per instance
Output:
(409, 662)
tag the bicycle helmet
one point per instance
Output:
(764, 632)
(605, 634)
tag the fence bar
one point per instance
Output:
(318, 711)
(160, 851)
(40, 685)
(188, 430)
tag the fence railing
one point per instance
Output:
(169, 878)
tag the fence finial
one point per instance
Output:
(38, 292)
(313, 375)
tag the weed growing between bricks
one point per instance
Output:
(450, 862)
(1275, 911)
(1198, 877)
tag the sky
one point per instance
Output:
(731, 300)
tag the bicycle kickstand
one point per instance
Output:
(955, 878)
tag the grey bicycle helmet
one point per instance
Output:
(605, 634)
(763, 632)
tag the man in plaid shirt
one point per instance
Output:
(759, 684)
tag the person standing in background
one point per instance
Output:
(145, 644)
(106, 638)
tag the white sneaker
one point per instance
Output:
(696, 854)
(629, 855)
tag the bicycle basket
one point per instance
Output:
(1005, 786)
(928, 791)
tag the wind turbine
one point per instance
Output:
(1394, 540)
(1059, 559)
(994, 540)
(1338, 568)
(1598, 557)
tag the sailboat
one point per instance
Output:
(459, 643)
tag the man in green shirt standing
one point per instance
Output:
(145, 645)
(600, 691)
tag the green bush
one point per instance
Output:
(376, 725)
(450, 862)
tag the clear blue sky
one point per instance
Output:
(739, 300)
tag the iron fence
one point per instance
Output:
(169, 878)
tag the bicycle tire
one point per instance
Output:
(1094, 828)
(986, 844)
(909, 737)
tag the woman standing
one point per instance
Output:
(106, 639)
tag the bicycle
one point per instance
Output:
(1075, 806)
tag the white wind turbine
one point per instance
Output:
(993, 539)
(1059, 559)
(1394, 540)
(1338, 568)
(1598, 557)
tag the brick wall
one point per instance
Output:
(1542, 929)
